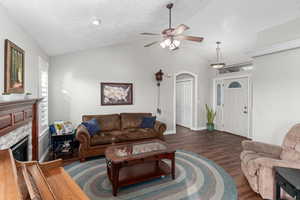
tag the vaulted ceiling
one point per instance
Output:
(62, 26)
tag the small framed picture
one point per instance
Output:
(116, 94)
(14, 68)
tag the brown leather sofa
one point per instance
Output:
(115, 128)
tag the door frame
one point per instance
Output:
(250, 106)
(191, 80)
(195, 94)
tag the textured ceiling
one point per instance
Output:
(62, 26)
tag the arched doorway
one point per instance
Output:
(185, 100)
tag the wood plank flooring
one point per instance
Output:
(223, 148)
(220, 147)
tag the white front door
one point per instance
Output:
(235, 106)
(184, 103)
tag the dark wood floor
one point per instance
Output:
(223, 148)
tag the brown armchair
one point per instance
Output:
(259, 159)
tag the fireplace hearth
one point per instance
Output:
(20, 149)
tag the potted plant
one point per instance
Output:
(210, 114)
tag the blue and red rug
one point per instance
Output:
(197, 178)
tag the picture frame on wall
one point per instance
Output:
(116, 94)
(14, 66)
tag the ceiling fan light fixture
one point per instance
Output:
(163, 44)
(218, 64)
(176, 43)
(168, 42)
(172, 46)
(96, 22)
(171, 37)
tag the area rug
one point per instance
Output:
(197, 178)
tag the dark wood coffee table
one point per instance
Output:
(136, 162)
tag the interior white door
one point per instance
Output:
(184, 103)
(235, 106)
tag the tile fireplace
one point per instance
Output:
(18, 120)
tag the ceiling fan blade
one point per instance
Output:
(180, 29)
(175, 49)
(190, 38)
(149, 34)
(150, 44)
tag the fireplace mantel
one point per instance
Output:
(14, 114)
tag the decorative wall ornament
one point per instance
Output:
(116, 94)
(14, 67)
(159, 78)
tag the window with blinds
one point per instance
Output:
(43, 93)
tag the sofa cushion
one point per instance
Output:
(137, 134)
(106, 122)
(290, 155)
(105, 137)
(122, 136)
(132, 120)
(148, 122)
(92, 126)
(100, 139)
(291, 145)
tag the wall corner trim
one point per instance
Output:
(45, 154)
(275, 48)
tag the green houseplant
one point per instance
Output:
(210, 114)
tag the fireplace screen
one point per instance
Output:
(20, 150)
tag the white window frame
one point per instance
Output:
(44, 94)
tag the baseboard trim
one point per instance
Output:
(169, 132)
(198, 128)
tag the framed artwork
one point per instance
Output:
(13, 68)
(116, 94)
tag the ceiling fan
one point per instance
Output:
(171, 37)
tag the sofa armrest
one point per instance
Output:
(160, 128)
(270, 163)
(83, 136)
(260, 147)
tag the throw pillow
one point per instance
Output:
(148, 122)
(92, 126)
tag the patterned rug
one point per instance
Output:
(197, 178)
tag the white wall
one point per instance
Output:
(75, 80)
(12, 31)
(180, 63)
(276, 96)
